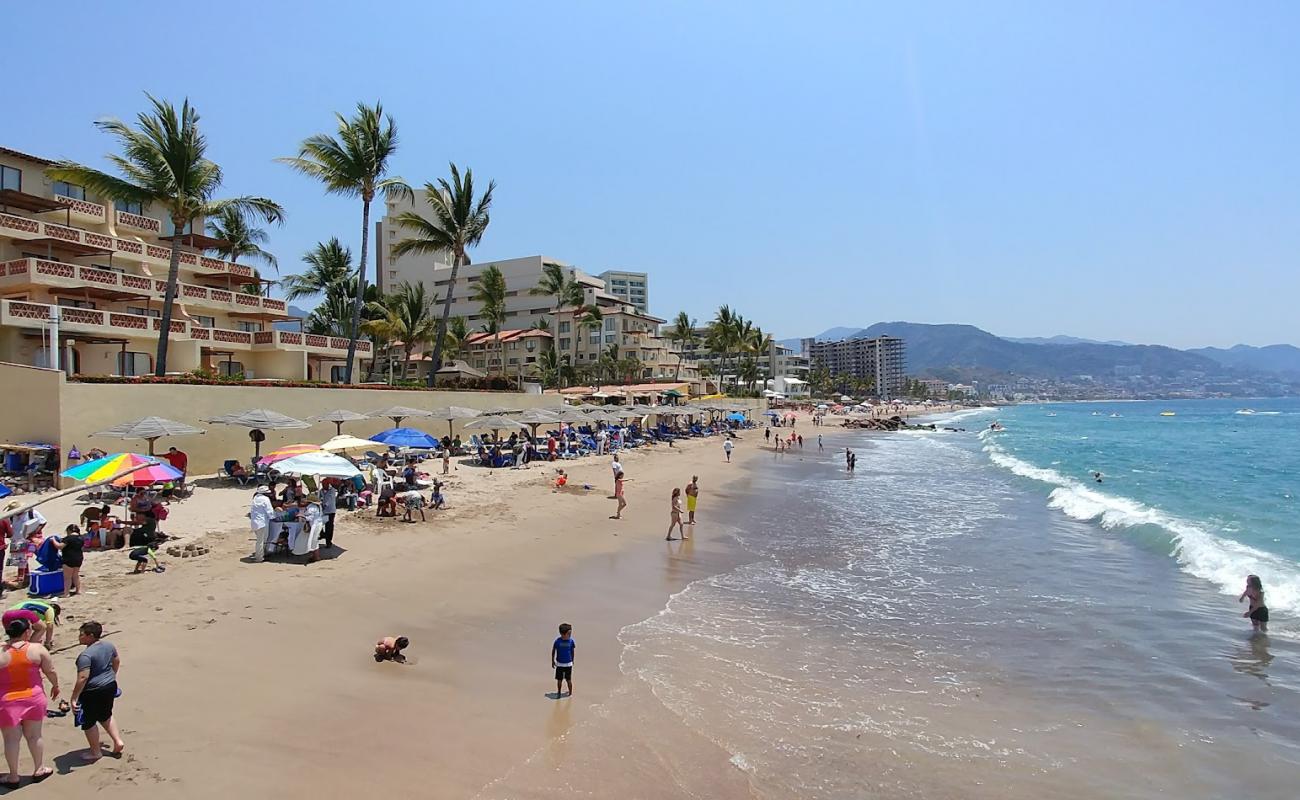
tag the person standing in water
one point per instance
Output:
(1256, 612)
(692, 498)
(819, 443)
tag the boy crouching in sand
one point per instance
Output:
(562, 659)
(390, 649)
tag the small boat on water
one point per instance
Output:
(1246, 411)
(1168, 414)
(1114, 415)
(1051, 413)
(1096, 413)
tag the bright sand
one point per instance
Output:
(258, 679)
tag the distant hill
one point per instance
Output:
(829, 334)
(1281, 358)
(1060, 340)
(294, 311)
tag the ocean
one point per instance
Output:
(971, 615)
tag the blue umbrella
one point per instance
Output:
(736, 416)
(5, 491)
(405, 437)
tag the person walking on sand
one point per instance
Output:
(329, 506)
(1256, 612)
(95, 690)
(259, 519)
(618, 495)
(675, 520)
(726, 448)
(819, 443)
(615, 467)
(22, 699)
(692, 498)
(562, 651)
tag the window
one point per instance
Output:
(143, 312)
(338, 373)
(128, 207)
(204, 322)
(611, 324)
(132, 364)
(65, 189)
(230, 368)
(481, 364)
(564, 344)
(11, 178)
(512, 346)
(594, 338)
(248, 327)
(530, 360)
(392, 273)
(564, 327)
(72, 302)
(514, 361)
(610, 338)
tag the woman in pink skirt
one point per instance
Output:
(22, 698)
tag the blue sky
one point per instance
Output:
(1109, 170)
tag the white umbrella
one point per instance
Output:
(453, 413)
(399, 413)
(339, 416)
(259, 419)
(150, 429)
(349, 442)
(325, 465)
(494, 423)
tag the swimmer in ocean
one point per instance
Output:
(1096, 476)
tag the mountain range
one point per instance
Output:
(964, 352)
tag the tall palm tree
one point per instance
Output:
(328, 263)
(459, 222)
(682, 334)
(241, 239)
(748, 372)
(490, 294)
(550, 368)
(354, 164)
(723, 337)
(164, 163)
(453, 339)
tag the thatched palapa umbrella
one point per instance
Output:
(339, 416)
(453, 413)
(258, 420)
(150, 429)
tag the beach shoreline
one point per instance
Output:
(280, 651)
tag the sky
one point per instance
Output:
(1107, 170)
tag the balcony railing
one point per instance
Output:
(84, 208)
(136, 221)
(39, 270)
(12, 224)
(120, 324)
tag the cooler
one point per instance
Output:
(43, 583)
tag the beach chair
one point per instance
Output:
(228, 469)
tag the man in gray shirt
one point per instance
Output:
(96, 688)
(329, 496)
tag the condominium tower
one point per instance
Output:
(879, 359)
(630, 287)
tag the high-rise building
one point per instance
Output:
(82, 280)
(879, 360)
(630, 287)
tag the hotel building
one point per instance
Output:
(82, 282)
(630, 287)
(879, 359)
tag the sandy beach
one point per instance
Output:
(258, 678)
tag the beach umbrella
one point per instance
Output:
(344, 442)
(102, 469)
(155, 473)
(339, 416)
(325, 465)
(453, 413)
(494, 424)
(399, 413)
(736, 416)
(5, 491)
(259, 419)
(405, 437)
(150, 429)
(288, 451)
(534, 417)
(499, 411)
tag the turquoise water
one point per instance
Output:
(1214, 486)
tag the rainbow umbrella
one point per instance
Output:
(157, 473)
(102, 469)
(288, 451)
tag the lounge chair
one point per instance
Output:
(228, 469)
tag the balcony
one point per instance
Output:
(26, 228)
(22, 314)
(43, 272)
(83, 210)
(128, 220)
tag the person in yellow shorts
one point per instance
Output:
(692, 497)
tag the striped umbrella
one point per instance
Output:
(156, 473)
(288, 451)
(102, 469)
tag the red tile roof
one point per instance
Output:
(507, 336)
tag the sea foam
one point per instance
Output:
(1222, 561)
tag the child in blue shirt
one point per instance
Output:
(562, 659)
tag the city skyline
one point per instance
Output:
(1106, 172)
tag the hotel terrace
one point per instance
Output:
(105, 269)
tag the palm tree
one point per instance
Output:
(164, 162)
(409, 318)
(723, 337)
(591, 319)
(490, 294)
(240, 238)
(332, 315)
(459, 223)
(453, 339)
(555, 283)
(748, 372)
(550, 367)
(328, 263)
(682, 334)
(355, 164)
